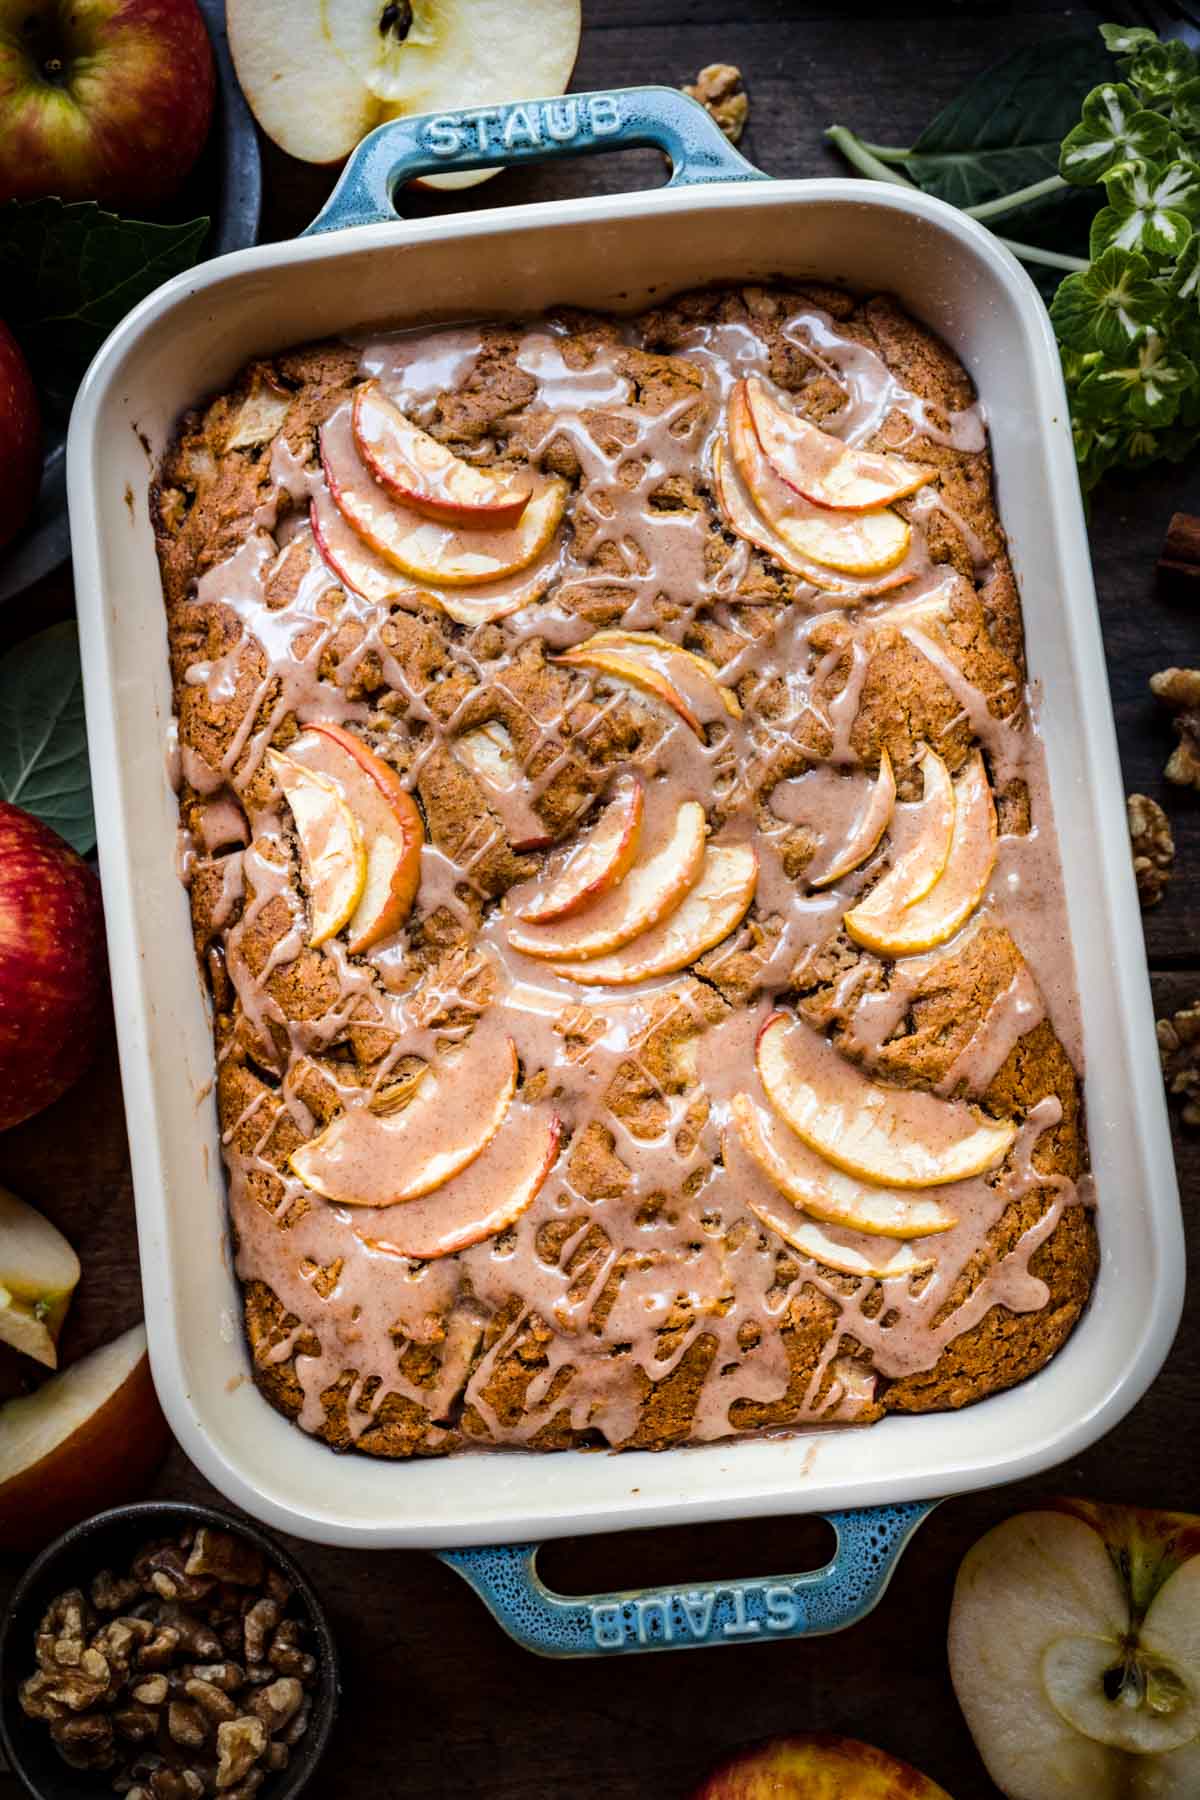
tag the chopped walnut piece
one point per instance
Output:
(240, 1743)
(228, 1558)
(1179, 1051)
(1180, 690)
(718, 88)
(1153, 847)
(85, 1743)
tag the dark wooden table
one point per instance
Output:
(438, 1702)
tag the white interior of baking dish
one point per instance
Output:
(623, 253)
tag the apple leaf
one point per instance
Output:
(43, 744)
(70, 273)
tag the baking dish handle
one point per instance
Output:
(488, 137)
(869, 1544)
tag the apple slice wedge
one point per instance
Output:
(712, 909)
(691, 685)
(445, 555)
(87, 1438)
(869, 543)
(740, 515)
(333, 861)
(39, 1272)
(866, 831)
(366, 1158)
(915, 871)
(891, 1137)
(824, 1192)
(823, 469)
(654, 887)
(905, 927)
(423, 474)
(388, 819)
(485, 1199)
(593, 866)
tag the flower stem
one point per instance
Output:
(1037, 190)
(862, 158)
(1053, 259)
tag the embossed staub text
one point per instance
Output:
(697, 1616)
(573, 119)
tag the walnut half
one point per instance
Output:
(1153, 847)
(719, 90)
(1179, 1050)
(1180, 690)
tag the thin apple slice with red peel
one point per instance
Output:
(388, 818)
(593, 866)
(916, 869)
(365, 1158)
(39, 1272)
(467, 1211)
(333, 860)
(443, 555)
(870, 543)
(1073, 1682)
(718, 902)
(654, 887)
(905, 928)
(811, 1241)
(740, 515)
(822, 468)
(866, 831)
(423, 474)
(824, 1192)
(691, 685)
(891, 1137)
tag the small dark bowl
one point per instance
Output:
(110, 1541)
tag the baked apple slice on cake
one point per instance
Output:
(823, 469)
(593, 866)
(689, 684)
(716, 904)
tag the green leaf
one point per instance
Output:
(1109, 306)
(1004, 130)
(69, 273)
(1150, 209)
(1161, 70)
(1184, 284)
(1127, 40)
(43, 744)
(1113, 130)
(1185, 109)
(1150, 386)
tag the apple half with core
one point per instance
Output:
(1075, 1652)
(891, 1137)
(106, 100)
(20, 438)
(591, 867)
(822, 468)
(52, 966)
(320, 74)
(484, 1200)
(717, 903)
(388, 820)
(654, 887)
(39, 1272)
(333, 861)
(417, 470)
(691, 685)
(816, 1765)
(89, 1437)
(445, 555)
(367, 1158)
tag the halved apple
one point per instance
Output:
(388, 820)
(703, 917)
(445, 555)
(423, 474)
(892, 1137)
(915, 871)
(824, 1192)
(654, 887)
(38, 1275)
(594, 865)
(868, 543)
(816, 1765)
(87, 1438)
(821, 467)
(739, 513)
(366, 1158)
(866, 831)
(905, 927)
(332, 857)
(690, 684)
(485, 1199)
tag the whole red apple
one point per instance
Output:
(106, 100)
(52, 965)
(20, 438)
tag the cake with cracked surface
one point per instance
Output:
(621, 862)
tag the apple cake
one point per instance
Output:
(621, 863)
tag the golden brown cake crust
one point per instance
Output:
(490, 1367)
